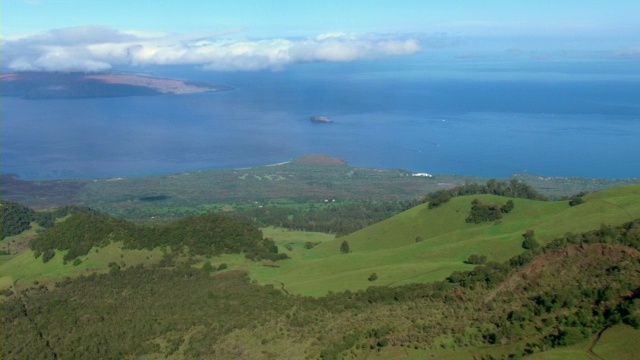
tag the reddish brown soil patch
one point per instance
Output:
(549, 263)
(610, 251)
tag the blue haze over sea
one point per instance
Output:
(548, 119)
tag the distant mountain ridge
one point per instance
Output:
(73, 85)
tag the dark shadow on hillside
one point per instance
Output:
(154, 198)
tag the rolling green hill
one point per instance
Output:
(389, 248)
(418, 245)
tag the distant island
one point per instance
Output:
(60, 85)
(321, 119)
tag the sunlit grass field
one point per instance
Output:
(26, 269)
(445, 241)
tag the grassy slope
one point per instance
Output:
(619, 342)
(26, 269)
(389, 248)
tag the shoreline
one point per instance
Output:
(418, 175)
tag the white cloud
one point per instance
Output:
(92, 48)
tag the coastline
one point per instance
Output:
(75, 85)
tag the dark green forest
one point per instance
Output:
(207, 235)
(16, 218)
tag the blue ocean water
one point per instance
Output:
(489, 123)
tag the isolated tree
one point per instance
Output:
(344, 247)
(530, 242)
(373, 277)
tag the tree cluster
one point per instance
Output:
(514, 189)
(482, 212)
(207, 235)
(16, 218)
(530, 242)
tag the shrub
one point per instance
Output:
(208, 267)
(576, 201)
(476, 259)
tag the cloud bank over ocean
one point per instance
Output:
(96, 48)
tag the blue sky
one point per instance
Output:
(291, 17)
(257, 35)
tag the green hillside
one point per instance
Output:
(512, 309)
(87, 242)
(572, 297)
(390, 249)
